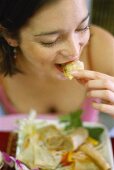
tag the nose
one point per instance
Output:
(71, 48)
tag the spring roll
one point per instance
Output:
(83, 162)
(89, 150)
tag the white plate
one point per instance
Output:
(105, 140)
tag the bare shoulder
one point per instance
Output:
(102, 50)
(98, 31)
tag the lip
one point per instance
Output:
(59, 66)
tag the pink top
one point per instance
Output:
(5, 103)
(89, 114)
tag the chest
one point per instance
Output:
(60, 98)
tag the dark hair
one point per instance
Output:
(14, 14)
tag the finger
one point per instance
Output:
(87, 74)
(104, 108)
(100, 84)
(102, 94)
(82, 81)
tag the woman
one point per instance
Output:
(37, 37)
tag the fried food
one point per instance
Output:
(50, 148)
(79, 137)
(54, 139)
(89, 150)
(72, 66)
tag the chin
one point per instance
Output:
(61, 77)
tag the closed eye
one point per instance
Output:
(50, 43)
(83, 29)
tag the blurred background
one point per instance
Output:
(102, 13)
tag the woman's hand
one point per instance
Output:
(100, 86)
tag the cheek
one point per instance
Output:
(84, 40)
(87, 37)
(35, 52)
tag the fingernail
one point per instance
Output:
(74, 72)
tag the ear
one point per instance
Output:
(11, 41)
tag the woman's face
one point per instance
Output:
(54, 36)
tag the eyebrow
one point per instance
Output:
(60, 30)
(87, 16)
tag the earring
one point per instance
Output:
(15, 52)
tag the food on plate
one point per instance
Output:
(78, 137)
(72, 66)
(48, 147)
(55, 139)
(90, 151)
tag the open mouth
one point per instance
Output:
(59, 67)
